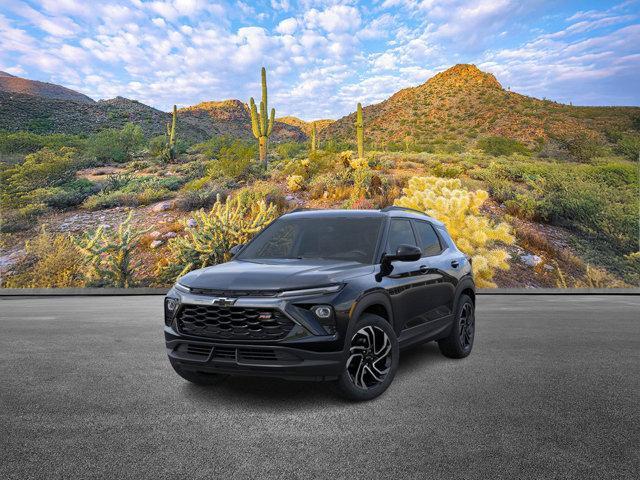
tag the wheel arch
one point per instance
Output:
(465, 287)
(377, 303)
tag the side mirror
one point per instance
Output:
(405, 253)
(235, 249)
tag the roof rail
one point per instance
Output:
(395, 207)
(302, 209)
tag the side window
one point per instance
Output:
(400, 233)
(428, 240)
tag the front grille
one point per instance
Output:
(234, 323)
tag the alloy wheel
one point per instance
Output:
(369, 357)
(467, 326)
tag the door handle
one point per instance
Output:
(424, 269)
(455, 263)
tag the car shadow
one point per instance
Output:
(265, 393)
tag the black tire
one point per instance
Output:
(368, 374)
(196, 377)
(459, 342)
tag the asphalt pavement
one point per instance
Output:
(551, 390)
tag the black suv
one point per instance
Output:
(324, 295)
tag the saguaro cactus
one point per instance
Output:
(171, 136)
(314, 140)
(260, 124)
(360, 132)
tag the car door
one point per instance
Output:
(435, 263)
(405, 283)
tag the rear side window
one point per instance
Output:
(400, 233)
(428, 240)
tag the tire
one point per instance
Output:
(195, 377)
(368, 374)
(459, 342)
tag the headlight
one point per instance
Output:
(311, 291)
(181, 288)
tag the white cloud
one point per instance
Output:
(287, 26)
(335, 19)
(56, 26)
(280, 5)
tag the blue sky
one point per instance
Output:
(322, 56)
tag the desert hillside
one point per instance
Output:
(27, 105)
(232, 118)
(306, 126)
(11, 84)
(463, 104)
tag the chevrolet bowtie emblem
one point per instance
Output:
(224, 301)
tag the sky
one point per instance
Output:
(322, 57)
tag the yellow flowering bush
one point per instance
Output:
(295, 182)
(459, 209)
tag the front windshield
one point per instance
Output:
(333, 238)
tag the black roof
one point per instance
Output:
(385, 212)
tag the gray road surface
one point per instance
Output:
(551, 390)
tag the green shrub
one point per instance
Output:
(189, 200)
(44, 169)
(116, 145)
(523, 206)
(629, 146)
(582, 146)
(27, 142)
(157, 145)
(121, 198)
(289, 150)
(234, 159)
(498, 146)
(447, 170)
(258, 192)
(211, 148)
(16, 220)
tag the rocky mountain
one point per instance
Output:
(20, 111)
(305, 126)
(464, 103)
(47, 108)
(232, 117)
(16, 85)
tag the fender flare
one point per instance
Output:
(376, 297)
(464, 284)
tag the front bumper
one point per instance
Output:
(209, 356)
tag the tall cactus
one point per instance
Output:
(360, 132)
(314, 143)
(260, 124)
(171, 136)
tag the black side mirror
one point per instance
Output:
(405, 253)
(235, 249)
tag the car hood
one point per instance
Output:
(273, 274)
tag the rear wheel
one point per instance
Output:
(198, 378)
(460, 340)
(372, 360)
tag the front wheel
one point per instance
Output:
(372, 359)
(460, 340)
